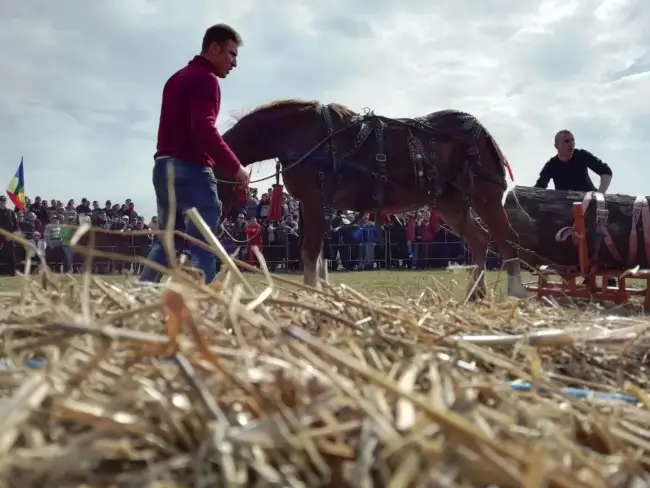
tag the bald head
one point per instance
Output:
(562, 134)
(565, 144)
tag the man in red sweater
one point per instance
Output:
(190, 143)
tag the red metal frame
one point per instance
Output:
(588, 281)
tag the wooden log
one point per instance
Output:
(537, 215)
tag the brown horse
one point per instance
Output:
(334, 158)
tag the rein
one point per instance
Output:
(303, 157)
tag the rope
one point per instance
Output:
(238, 241)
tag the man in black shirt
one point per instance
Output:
(568, 169)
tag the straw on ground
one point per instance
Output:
(395, 385)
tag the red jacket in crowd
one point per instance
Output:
(254, 234)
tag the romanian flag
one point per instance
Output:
(16, 188)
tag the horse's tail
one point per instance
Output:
(504, 166)
(498, 153)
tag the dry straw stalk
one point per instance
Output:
(185, 385)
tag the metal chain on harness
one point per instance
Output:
(380, 176)
(327, 207)
(278, 168)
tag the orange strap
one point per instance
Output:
(640, 213)
(601, 223)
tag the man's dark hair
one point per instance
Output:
(220, 33)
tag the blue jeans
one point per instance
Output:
(194, 186)
(67, 258)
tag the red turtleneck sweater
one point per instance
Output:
(190, 106)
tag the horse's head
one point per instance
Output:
(281, 129)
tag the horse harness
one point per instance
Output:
(424, 163)
(600, 234)
(369, 124)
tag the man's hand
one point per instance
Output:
(241, 176)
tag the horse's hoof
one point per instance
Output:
(518, 294)
(516, 289)
(515, 298)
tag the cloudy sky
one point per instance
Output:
(81, 84)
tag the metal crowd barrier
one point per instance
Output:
(341, 256)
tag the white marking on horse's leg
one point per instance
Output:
(516, 288)
(322, 267)
(478, 243)
(309, 270)
(476, 283)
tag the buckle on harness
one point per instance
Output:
(381, 158)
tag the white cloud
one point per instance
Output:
(80, 91)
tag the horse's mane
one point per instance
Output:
(297, 105)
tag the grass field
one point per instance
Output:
(401, 283)
(395, 283)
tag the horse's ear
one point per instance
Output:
(234, 116)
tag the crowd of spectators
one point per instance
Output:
(414, 241)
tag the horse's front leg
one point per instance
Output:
(457, 216)
(313, 230)
(309, 267)
(321, 265)
(495, 218)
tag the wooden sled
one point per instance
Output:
(588, 280)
